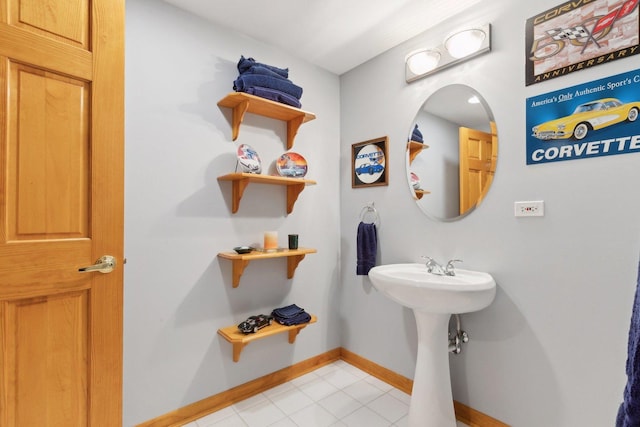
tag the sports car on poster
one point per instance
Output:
(586, 117)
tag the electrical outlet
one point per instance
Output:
(535, 208)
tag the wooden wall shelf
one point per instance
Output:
(242, 103)
(420, 193)
(240, 340)
(241, 180)
(240, 261)
(414, 149)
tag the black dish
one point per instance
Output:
(243, 249)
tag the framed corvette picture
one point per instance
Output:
(369, 163)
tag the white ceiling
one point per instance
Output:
(336, 35)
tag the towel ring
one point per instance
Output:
(370, 210)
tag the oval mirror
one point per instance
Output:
(451, 152)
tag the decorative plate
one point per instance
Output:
(249, 159)
(415, 181)
(292, 165)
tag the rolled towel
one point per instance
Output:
(367, 247)
(246, 63)
(273, 95)
(253, 80)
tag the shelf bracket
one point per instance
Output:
(237, 117)
(292, 264)
(292, 129)
(237, 349)
(414, 148)
(293, 191)
(238, 268)
(238, 187)
(293, 333)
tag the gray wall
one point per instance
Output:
(178, 216)
(551, 349)
(438, 168)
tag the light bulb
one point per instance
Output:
(423, 61)
(464, 43)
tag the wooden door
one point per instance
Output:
(61, 208)
(478, 155)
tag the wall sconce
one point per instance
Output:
(457, 47)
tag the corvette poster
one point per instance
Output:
(595, 119)
(579, 34)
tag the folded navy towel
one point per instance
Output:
(291, 315)
(273, 95)
(367, 247)
(303, 317)
(246, 63)
(629, 411)
(416, 135)
(253, 80)
(261, 69)
(287, 311)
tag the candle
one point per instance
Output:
(293, 241)
(271, 240)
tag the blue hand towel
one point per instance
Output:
(629, 412)
(245, 63)
(273, 95)
(367, 247)
(261, 80)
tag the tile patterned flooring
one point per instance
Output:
(335, 395)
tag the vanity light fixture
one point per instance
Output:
(423, 61)
(464, 43)
(457, 47)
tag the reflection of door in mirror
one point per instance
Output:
(478, 153)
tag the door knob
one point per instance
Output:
(104, 264)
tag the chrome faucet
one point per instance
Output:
(434, 268)
(449, 270)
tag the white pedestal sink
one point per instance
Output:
(433, 299)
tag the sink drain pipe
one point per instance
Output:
(457, 337)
